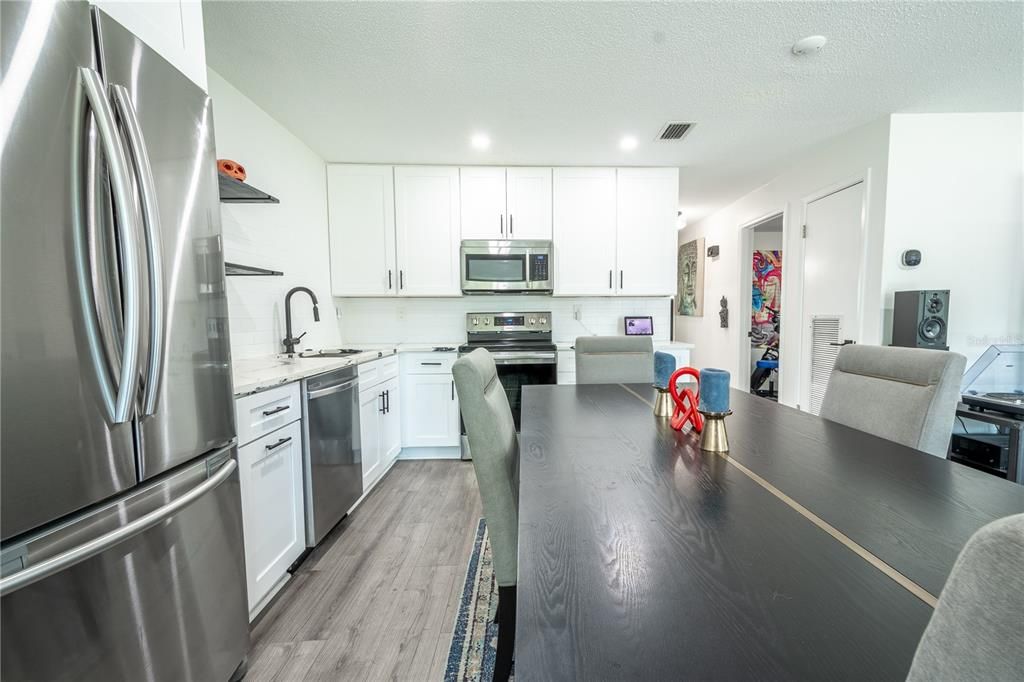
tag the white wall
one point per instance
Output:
(443, 320)
(859, 153)
(290, 236)
(955, 193)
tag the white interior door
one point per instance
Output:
(427, 230)
(529, 203)
(361, 205)
(833, 255)
(483, 203)
(584, 231)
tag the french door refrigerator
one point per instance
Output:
(122, 554)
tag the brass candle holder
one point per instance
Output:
(663, 405)
(713, 437)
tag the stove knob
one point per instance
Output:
(533, 321)
(543, 320)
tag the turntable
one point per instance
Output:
(996, 381)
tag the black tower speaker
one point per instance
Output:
(920, 319)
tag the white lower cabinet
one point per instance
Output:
(371, 408)
(380, 425)
(273, 513)
(432, 416)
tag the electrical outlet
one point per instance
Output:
(577, 312)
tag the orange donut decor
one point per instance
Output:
(231, 168)
(686, 402)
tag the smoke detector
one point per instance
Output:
(809, 45)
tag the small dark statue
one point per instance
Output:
(723, 314)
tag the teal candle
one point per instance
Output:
(714, 390)
(664, 365)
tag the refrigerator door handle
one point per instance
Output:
(154, 249)
(102, 543)
(120, 402)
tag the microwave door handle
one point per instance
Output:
(120, 402)
(154, 251)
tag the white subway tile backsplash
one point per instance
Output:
(416, 320)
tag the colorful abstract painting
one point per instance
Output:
(691, 278)
(767, 298)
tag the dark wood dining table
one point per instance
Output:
(810, 551)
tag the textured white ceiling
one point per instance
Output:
(560, 83)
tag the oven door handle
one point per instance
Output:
(523, 358)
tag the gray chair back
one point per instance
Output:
(614, 360)
(495, 450)
(906, 395)
(975, 631)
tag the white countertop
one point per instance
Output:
(258, 374)
(658, 345)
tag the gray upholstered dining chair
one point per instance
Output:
(975, 631)
(906, 395)
(614, 360)
(495, 449)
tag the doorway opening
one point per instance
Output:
(761, 271)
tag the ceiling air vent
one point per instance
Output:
(675, 131)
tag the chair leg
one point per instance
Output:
(506, 633)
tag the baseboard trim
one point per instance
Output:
(453, 452)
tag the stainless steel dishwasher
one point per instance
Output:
(333, 467)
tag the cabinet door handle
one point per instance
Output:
(501, 224)
(510, 228)
(387, 402)
(279, 443)
(609, 279)
(620, 279)
(381, 408)
(389, 280)
(401, 279)
(453, 389)
(432, 364)
(267, 413)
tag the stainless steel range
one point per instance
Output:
(522, 349)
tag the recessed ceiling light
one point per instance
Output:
(480, 141)
(809, 45)
(627, 143)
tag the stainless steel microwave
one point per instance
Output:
(515, 266)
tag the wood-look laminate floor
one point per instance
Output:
(377, 599)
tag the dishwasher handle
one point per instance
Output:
(320, 393)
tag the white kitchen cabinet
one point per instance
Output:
(584, 231)
(371, 407)
(430, 412)
(427, 228)
(505, 203)
(528, 198)
(273, 515)
(482, 191)
(173, 28)
(361, 207)
(646, 231)
(391, 423)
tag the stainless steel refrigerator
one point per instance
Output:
(122, 554)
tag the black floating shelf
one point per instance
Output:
(236, 270)
(237, 192)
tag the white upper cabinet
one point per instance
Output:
(483, 203)
(584, 231)
(173, 28)
(529, 203)
(427, 228)
(646, 231)
(361, 204)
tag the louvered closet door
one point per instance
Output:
(831, 297)
(826, 335)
